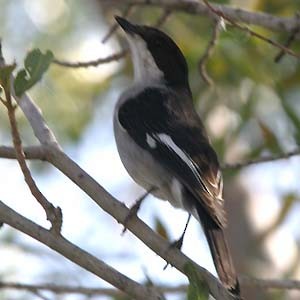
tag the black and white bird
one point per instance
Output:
(163, 143)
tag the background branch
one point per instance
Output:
(251, 32)
(283, 284)
(265, 159)
(268, 21)
(94, 63)
(209, 51)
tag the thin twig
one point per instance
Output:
(251, 32)
(282, 284)
(163, 17)
(208, 52)
(54, 214)
(40, 295)
(289, 41)
(128, 11)
(265, 159)
(93, 63)
(111, 58)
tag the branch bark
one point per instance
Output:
(76, 255)
(40, 153)
(119, 211)
(281, 284)
(274, 23)
(64, 289)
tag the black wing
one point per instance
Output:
(161, 124)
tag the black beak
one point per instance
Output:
(127, 27)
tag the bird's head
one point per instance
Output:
(156, 57)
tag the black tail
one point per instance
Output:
(222, 258)
(220, 252)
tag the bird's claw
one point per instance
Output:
(132, 212)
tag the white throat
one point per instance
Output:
(145, 68)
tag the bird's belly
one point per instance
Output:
(141, 166)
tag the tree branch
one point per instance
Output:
(94, 63)
(113, 57)
(120, 212)
(76, 255)
(265, 159)
(251, 32)
(274, 23)
(40, 153)
(54, 214)
(59, 289)
(208, 53)
(280, 284)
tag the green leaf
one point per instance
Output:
(197, 289)
(5, 74)
(36, 64)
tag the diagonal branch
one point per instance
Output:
(120, 212)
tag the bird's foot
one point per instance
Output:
(177, 244)
(135, 208)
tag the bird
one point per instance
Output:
(163, 143)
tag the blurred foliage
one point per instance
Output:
(288, 202)
(253, 108)
(197, 289)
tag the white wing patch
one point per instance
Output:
(150, 141)
(168, 141)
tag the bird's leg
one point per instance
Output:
(135, 208)
(178, 243)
